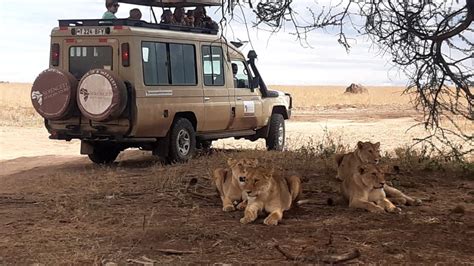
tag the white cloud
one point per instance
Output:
(25, 26)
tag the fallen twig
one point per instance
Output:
(310, 202)
(14, 201)
(148, 259)
(284, 253)
(204, 195)
(341, 258)
(326, 258)
(217, 243)
(192, 183)
(146, 263)
(176, 252)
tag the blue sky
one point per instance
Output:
(25, 26)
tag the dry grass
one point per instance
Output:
(324, 96)
(15, 106)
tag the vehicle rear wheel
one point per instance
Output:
(276, 134)
(104, 154)
(182, 141)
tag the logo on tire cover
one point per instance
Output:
(84, 93)
(36, 95)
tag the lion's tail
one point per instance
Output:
(339, 158)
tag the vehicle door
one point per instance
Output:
(248, 102)
(217, 97)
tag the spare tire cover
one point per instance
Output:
(53, 94)
(101, 95)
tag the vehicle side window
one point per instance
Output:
(213, 65)
(168, 64)
(241, 78)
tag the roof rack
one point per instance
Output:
(133, 23)
(173, 3)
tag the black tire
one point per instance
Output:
(276, 133)
(104, 154)
(182, 141)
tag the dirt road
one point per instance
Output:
(345, 125)
(57, 207)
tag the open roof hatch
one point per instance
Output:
(173, 3)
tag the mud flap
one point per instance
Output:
(162, 147)
(86, 147)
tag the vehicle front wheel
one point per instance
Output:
(182, 141)
(276, 133)
(104, 154)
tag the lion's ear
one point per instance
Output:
(360, 144)
(231, 162)
(377, 145)
(255, 162)
(269, 174)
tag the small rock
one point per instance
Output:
(459, 209)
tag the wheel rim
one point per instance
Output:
(281, 134)
(183, 142)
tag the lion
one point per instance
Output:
(229, 184)
(364, 189)
(367, 152)
(270, 192)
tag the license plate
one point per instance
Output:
(90, 31)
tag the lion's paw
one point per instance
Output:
(394, 210)
(376, 209)
(228, 208)
(245, 220)
(270, 221)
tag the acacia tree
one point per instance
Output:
(432, 41)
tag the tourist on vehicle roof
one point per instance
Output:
(201, 20)
(179, 17)
(167, 17)
(190, 17)
(135, 14)
(112, 8)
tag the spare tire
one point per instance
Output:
(53, 94)
(101, 95)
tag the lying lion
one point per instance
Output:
(365, 190)
(270, 192)
(228, 184)
(367, 152)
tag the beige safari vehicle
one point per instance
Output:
(118, 84)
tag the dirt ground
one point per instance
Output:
(57, 207)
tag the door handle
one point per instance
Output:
(207, 99)
(239, 98)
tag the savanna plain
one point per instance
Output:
(56, 207)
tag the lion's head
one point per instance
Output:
(239, 166)
(256, 181)
(368, 152)
(371, 176)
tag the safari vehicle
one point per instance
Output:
(117, 84)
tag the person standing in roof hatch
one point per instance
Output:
(112, 8)
(135, 14)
